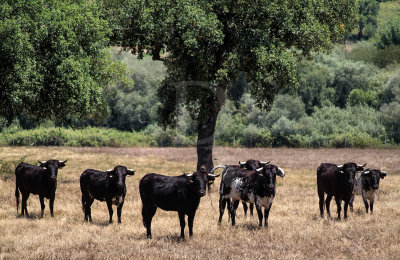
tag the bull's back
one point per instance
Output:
(95, 183)
(326, 178)
(28, 178)
(165, 192)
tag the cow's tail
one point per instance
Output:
(83, 204)
(17, 195)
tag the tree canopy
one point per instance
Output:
(54, 60)
(206, 45)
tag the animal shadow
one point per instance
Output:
(172, 238)
(251, 226)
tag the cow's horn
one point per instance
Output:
(109, 170)
(259, 169)
(219, 166)
(188, 174)
(340, 166)
(63, 161)
(265, 163)
(359, 165)
(283, 172)
(42, 161)
(214, 175)
(242, 163)
(132, 170)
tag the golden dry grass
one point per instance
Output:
(295, 229)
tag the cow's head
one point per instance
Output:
(371, 177)
(269, 173)
(51, 167)
(119, 174)
(350, 169)
(252, 164)
(199, 181)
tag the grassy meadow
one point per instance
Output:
(295, 229)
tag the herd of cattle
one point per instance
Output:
(251, 182)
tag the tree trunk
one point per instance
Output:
(205, 142)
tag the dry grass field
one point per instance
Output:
(295, 229)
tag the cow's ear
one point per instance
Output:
(110, 172)
(383, 175)
(42, 164)
(61, 164)
(281, 172)
(130, 172)
(365, 173)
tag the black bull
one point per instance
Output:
(106, 186)
(336, 180)
(39, 180)
(179, 193)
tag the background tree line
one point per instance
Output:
(350, 97)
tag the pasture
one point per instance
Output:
(295, 229)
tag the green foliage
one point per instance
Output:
(389, 116)
(54, 61)
(367, 18)
(389, 34)
(90, 136)
(347, 75)
(361, 97)
(367, 52)
(134, 105)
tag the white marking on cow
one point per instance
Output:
(370, 194)
(235, 189)
(357, 190)
(265, 202)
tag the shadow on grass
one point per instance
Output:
(32, 216)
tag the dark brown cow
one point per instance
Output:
(336, 180)
(39, 180)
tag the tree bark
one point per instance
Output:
(205, 142)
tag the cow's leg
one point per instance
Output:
(328, 205)
(245, 208)
(119, 209)
(222, 205)
(233, 208)
(346, 204)
(228, 205)
(190, 223)
(147, 214)
(251, 209)
(371, 204)
(88, 210)
(260, 215)
(110, 210)
(266, 214)
(365, 201)
(351, 202)
(52, 205)
(182, 223)
(339, 207)
(23, 204)
(42, 206)
(321, 202)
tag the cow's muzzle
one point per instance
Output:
(202, 193)
(270, 188)
(376, 187)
